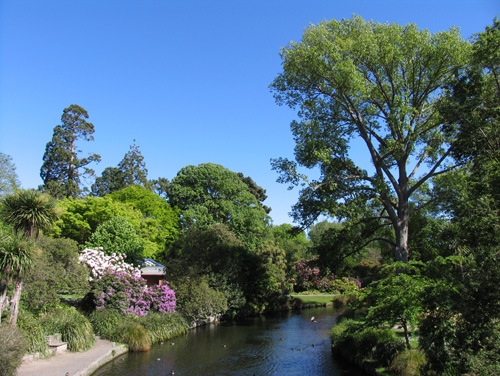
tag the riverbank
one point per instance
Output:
(74, 363)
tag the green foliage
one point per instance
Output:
(136, 338)
(112, 325)
(29, 211)
(273, 260)
(111, 180)
(130, 171)
(209, 193)
(163, 326)
(81, 217)
(33, 332)
(152, 218)
(196, 300)
(117, 235)
(61, 169)
(359, 343)
(16, 259)
(397, 298)
(74, 327)
(294, 242)
(9, 181)
(12, 349)
(160, 222)
(409, 363)
(373, 82)
(108, 323)
(56, 271)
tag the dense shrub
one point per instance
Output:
(162, 326)
(137, 338)
(359, 343)
(109, 324)
(74, 327)
(409, 363)
(12, 348)
(56, 271)
(113, 325)
(118, 285)
(33, 332)
(196, 300)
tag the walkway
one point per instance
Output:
(73, 363)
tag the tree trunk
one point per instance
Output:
(405, 328)
(3, 297)
(14, 303)
(403, 216)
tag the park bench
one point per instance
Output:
(55, 342)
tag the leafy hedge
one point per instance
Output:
(12, 348)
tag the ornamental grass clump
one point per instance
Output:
(12, 349)
(74, 327)
(33, 333)
(136, 337)
(109, 324)
(162, 326)
(409, 363)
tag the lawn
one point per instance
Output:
(314, 299)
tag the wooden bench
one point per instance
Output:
(55, 343)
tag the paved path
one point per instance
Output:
(73, 363)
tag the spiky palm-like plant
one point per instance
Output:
(16, 258)
(29, 211)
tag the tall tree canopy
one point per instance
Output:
(131, 170)
(210, 193)
(8, 177)
(376, 83)
(62, 168)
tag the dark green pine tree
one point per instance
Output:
(256, 190)
(62, 169)
(133, 167)
(131, 170)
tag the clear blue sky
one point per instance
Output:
(189, 80)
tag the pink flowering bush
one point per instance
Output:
(119, 286)
(310, 278)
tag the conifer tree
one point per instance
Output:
(62, 168)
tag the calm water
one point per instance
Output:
(282, 346)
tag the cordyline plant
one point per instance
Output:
(118, 285)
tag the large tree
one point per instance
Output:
(375, 84)
(8, 177)
(62, 168)
(131, 170)
(209, 193)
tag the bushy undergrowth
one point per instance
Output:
(33, 332)
(162, 326)
(114, 325)
(12, 349)
(409, 363)
(109, 324)
(136, 337)
(74, 327)
(359, 343)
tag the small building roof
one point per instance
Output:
(150, 267)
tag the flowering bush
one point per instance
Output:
(311, 278)
(118, 285)
(99, 263)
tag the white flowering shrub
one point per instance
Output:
(100, 263)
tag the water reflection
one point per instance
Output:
(287, 345)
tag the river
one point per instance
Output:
(284, 345)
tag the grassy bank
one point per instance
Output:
(313, 299)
